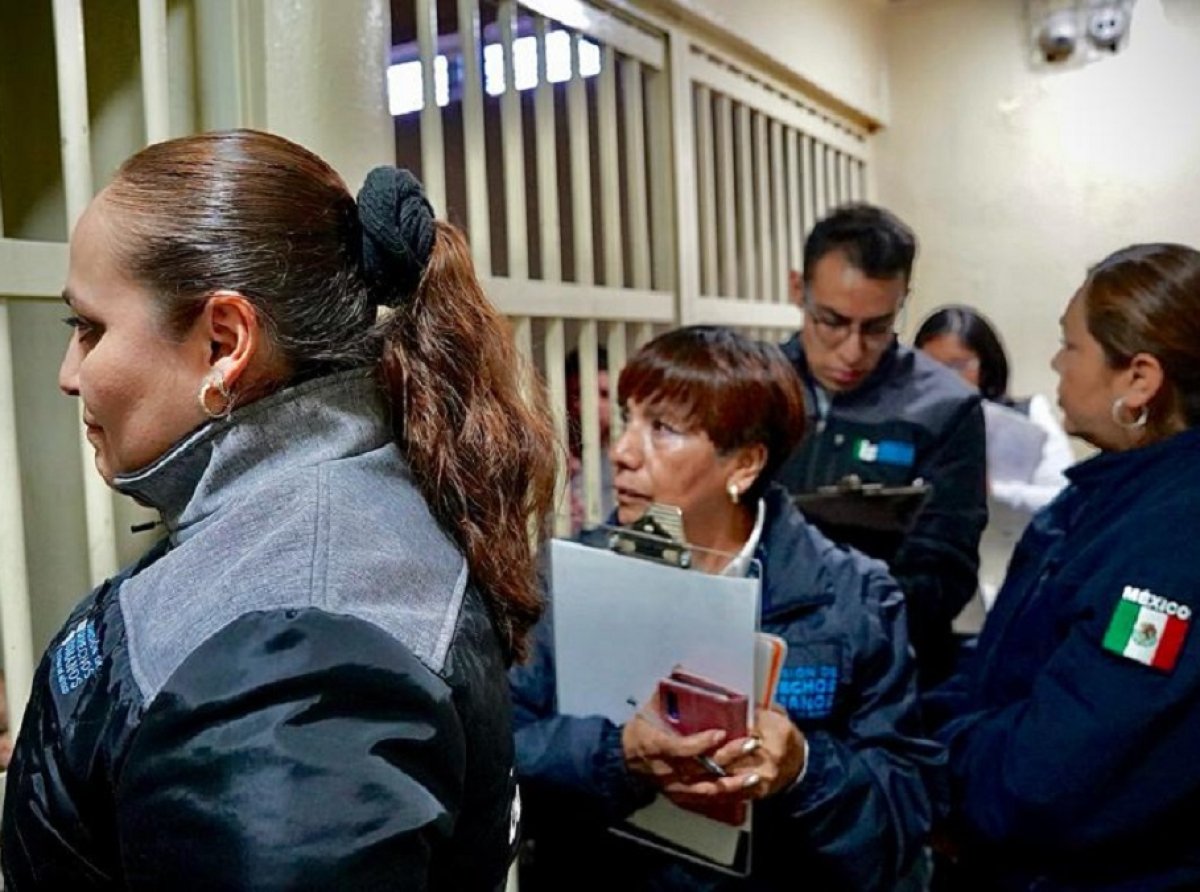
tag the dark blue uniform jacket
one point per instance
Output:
(1074, 765)
(860, 813)
(910, 419)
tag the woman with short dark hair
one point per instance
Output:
(709, 415)
(964, 341)
(302, 684)
(1073, 733)
(1028, 451)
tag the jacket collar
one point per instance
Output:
(794, 575)
(790, 555)
(313, 422)
(1113, 469)
(742, 563)
(793, 349)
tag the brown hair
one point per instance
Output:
(737, 390)
(1146, 299)
(254, 213)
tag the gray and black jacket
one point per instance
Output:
(299, 688)
(910, 419)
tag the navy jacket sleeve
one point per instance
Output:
(862, 806)
(572, 763)
(293, 749)
(951, 698)
(1086, 757)
(938, 564)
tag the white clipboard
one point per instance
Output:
(621, 624)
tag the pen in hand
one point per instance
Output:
(706, 761)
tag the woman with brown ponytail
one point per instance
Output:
(302, 685)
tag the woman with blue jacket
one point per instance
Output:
(1074, 733)
(709, 415)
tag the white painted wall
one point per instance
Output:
(1017, 180)
(325, 81)
(837, 45)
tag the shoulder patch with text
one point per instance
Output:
(1148, 628)
(808, 681)
(77, 658)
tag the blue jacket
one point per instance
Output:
(861, 811)
(1073, 765)
(920, 422)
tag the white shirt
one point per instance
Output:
(1030, 495)
(744, 559)
(1012, 503)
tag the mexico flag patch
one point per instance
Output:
(1148, 628)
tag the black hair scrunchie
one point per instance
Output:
(398, 232)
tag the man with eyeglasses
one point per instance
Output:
(888, 414)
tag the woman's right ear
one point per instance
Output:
(748, 466)
(234, 334)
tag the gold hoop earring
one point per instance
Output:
(734, 495)
(215, 381)
(1138, 423)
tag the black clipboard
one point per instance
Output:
(871, 517)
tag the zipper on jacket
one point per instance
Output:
(823, 407)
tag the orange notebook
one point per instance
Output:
(770, 651)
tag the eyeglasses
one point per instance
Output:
(833, 329)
